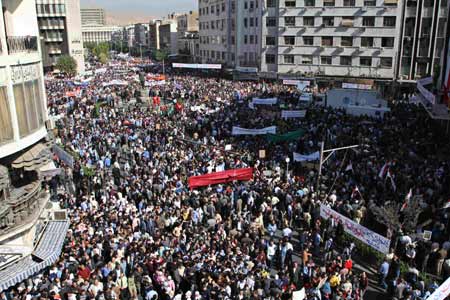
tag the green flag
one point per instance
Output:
(290, 136)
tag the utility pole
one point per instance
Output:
(323, 160)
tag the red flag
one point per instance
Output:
(220, 177)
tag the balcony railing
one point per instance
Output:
(17, 44)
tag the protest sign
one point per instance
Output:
(285, 114)
(306, 157)
(373, 239)
(247, 131)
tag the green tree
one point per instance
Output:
(161, 55)
(67, 64)
(103, 58)
(101, 48)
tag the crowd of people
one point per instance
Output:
(138, 232)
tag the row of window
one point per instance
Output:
(385, 62)
(47, 22)
(251, 39)
(329, 3)
(330, 41)
(53, 34)
(216, 24)
(330, 21)
(218, 8)
(51, 8)
(216, 55)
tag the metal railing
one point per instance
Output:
(18, 44)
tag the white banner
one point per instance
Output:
(115, 82)
(154, 82)
(266, 101)
(305, 97)
(429, 96)
(293, 113)
(307, 157)
(358, 86)
(441, 292)
(248, 131)
(197, 66)
(373, 239)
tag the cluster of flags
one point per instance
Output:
(385, 173)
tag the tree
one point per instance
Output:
(101, 48)
(161, 55)
(67, 64)
(103, 58)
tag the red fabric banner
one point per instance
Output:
(220, 177)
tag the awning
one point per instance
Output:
(4, 177)
(49, 170)
(390, 1)
(33, 159)
(47, 252)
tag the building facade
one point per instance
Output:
(99, 34)
(154, 35)
(168, 36)
(337, 38)
(423, 36)
(60, 29)
(187, 27)
(27, 220)
(93, 16)
(141, 35)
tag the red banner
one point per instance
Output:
(220, 177)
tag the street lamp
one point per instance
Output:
(287, 167)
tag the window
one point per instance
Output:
(389, 21)
(346, 60)
(307, 59)
(212, 24)
(233, 6)
(370, 3)
(270, 41)
(347, 21)
(308, 40)
(308, 21)
(387, 42)
(346, 41)
(223, 6)
(246, 39)
(289, 59)
(367, 42)
(212, 9)
(271, 22)
(327, 41)
(328, 21)
(289, 21)
(428, 3)
(386, 62)
(365, 61)
(252, 5)
(245, 5)
(349, 3)
(289, 40)
(289, 3)
(310, 2)
(245, 22)
(270, 58)
(328, 3)
(271, 3)
(28, 106)
(369, 21)
(252, 39)
(6, 130)
(252, 22)
(326, 60)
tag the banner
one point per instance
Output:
(307, 157)
(290, 136)
(266, 101)
(373, 239)
(220, 177)
(247, 131)
(63, 155)
(429, 96)
(441, 292)
(299, 295)
(307, 97)
(285, 114)
(197, 66)
(115, 82)
(358, 86)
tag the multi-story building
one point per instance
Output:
(187, 27)
(141, 34)
(168, 36)
(60, 29)
(98, 34)
(31, 236)
(128, 35)
(230, 32)
(154, 35)
(423, 36)
(93, 16)
(336, 38)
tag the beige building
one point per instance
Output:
(93, 16)
(99, 34)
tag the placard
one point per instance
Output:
(262, 153)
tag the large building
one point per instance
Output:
(93, 16)
(230, 32)
(141, 35)
(153, 35)
(168, 36)
(423, 36)
(188, 38)
(32, 229)
(99, 34)
(60, 30)
(336, 38)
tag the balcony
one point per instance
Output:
(18, 44)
